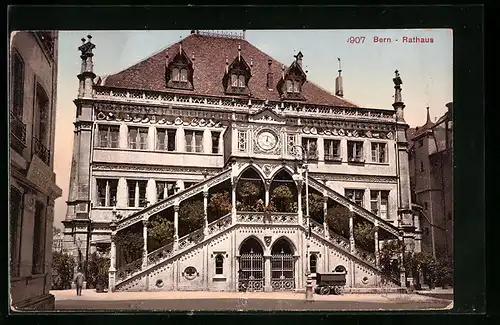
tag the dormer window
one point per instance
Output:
(179, 71)
(237, 76)
(292, 80)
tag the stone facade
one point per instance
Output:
(139, 153)
(33, 64)
(431, 172)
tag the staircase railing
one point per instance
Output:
(165, 252)
(165, 203)
(267, 217)
(362, 212)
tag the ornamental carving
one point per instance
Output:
(267, 240)
(156, 169)
(360, 131)
(355, 178)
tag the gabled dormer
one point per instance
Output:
(179, 70)
(292, 79)
(237, 76)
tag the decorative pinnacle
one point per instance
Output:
(340, 66)
(83, 40)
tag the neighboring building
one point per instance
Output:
(431, 175)
(33, 77)
(205, 115)
(57, 243)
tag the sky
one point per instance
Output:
(367, 70)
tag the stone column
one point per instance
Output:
(366, 200)
(325, 213)
(123, 141)
(136, 198)
(151, 191)
(401, 258)
(145, 243)
(377, 257)
(267, 273)
(207, 141)
(321, 149)
(176, 227)
(151, 138)
(121, 193)
(205, 214)
(112, 266)
(233, 201)
(179, 138)
(299, 202)
(344, 149)
(267, 185)
(352, 245)
(180, 184)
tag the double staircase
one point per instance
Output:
(129, 277)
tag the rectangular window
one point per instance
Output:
(106, 192)
(215, 142)
(39, 239)
(194, 141)
(356, 196)
(311, 148)
(234, 80)
(242, 141)
(184, 75)
(164, 190)
(289, 86)
(165, 139)
(175, 74)
(108, 136)
(136, 193)
(296, 87)
(137, 137)
(379, 201)
(42, 116)
(355, 151)
(379, 152)
(17, 85)
(332, 150)
(241, 81)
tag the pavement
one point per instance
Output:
(238, 301)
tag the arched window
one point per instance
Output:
(175, 74)
(289, 86)
(219, 264)
(313, 261)
(296, 86)
(234, 80)
(184, 75)
(241, 81)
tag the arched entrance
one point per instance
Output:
(282, 266)
(251, 271)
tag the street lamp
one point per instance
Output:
(309, 287)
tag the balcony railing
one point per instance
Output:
(41, 151)
(334, 158)
(17, 133)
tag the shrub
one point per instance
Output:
(337, 219)
(389, 258)
(63, 266)
(249, 193)
(364, 235)
(191, 217)
(282, 198)
(160, 233)
(130, 244)
(98, 270)
(218, 206)
(316, 206)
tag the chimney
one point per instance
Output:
(339, 88)
(270, 81)
(193, 31)
(244, 32)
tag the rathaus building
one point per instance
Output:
(214, 119)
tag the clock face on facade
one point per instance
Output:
(267, 140)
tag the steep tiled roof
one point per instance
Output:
(209, 68)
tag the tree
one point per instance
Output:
(282, 198)
(364, 235)
(389, 258)
(191, 217)
(160, 233)
(249, 193)
(337, 219)
(63, 266)
(98, 270)
(316, 206)
(130, 244)
(218, 206)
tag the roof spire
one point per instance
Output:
(239, 52)
(339, 87)
(428, 116)
(180, 47)
(227, 65)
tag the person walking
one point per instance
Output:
(79, 278)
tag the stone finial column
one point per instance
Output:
(151, 191)
(377, 257)
(180, 140)
(151, 137)
(267, 185)
(145, 224)
(121, 193)
(352, 244)
(299, 201)
(325, 213)
(205, 214)
(136, 198)
(176, 227)
(401, 257)
(233, 200)
(112, 266)
(207, 141)
(267, 273)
